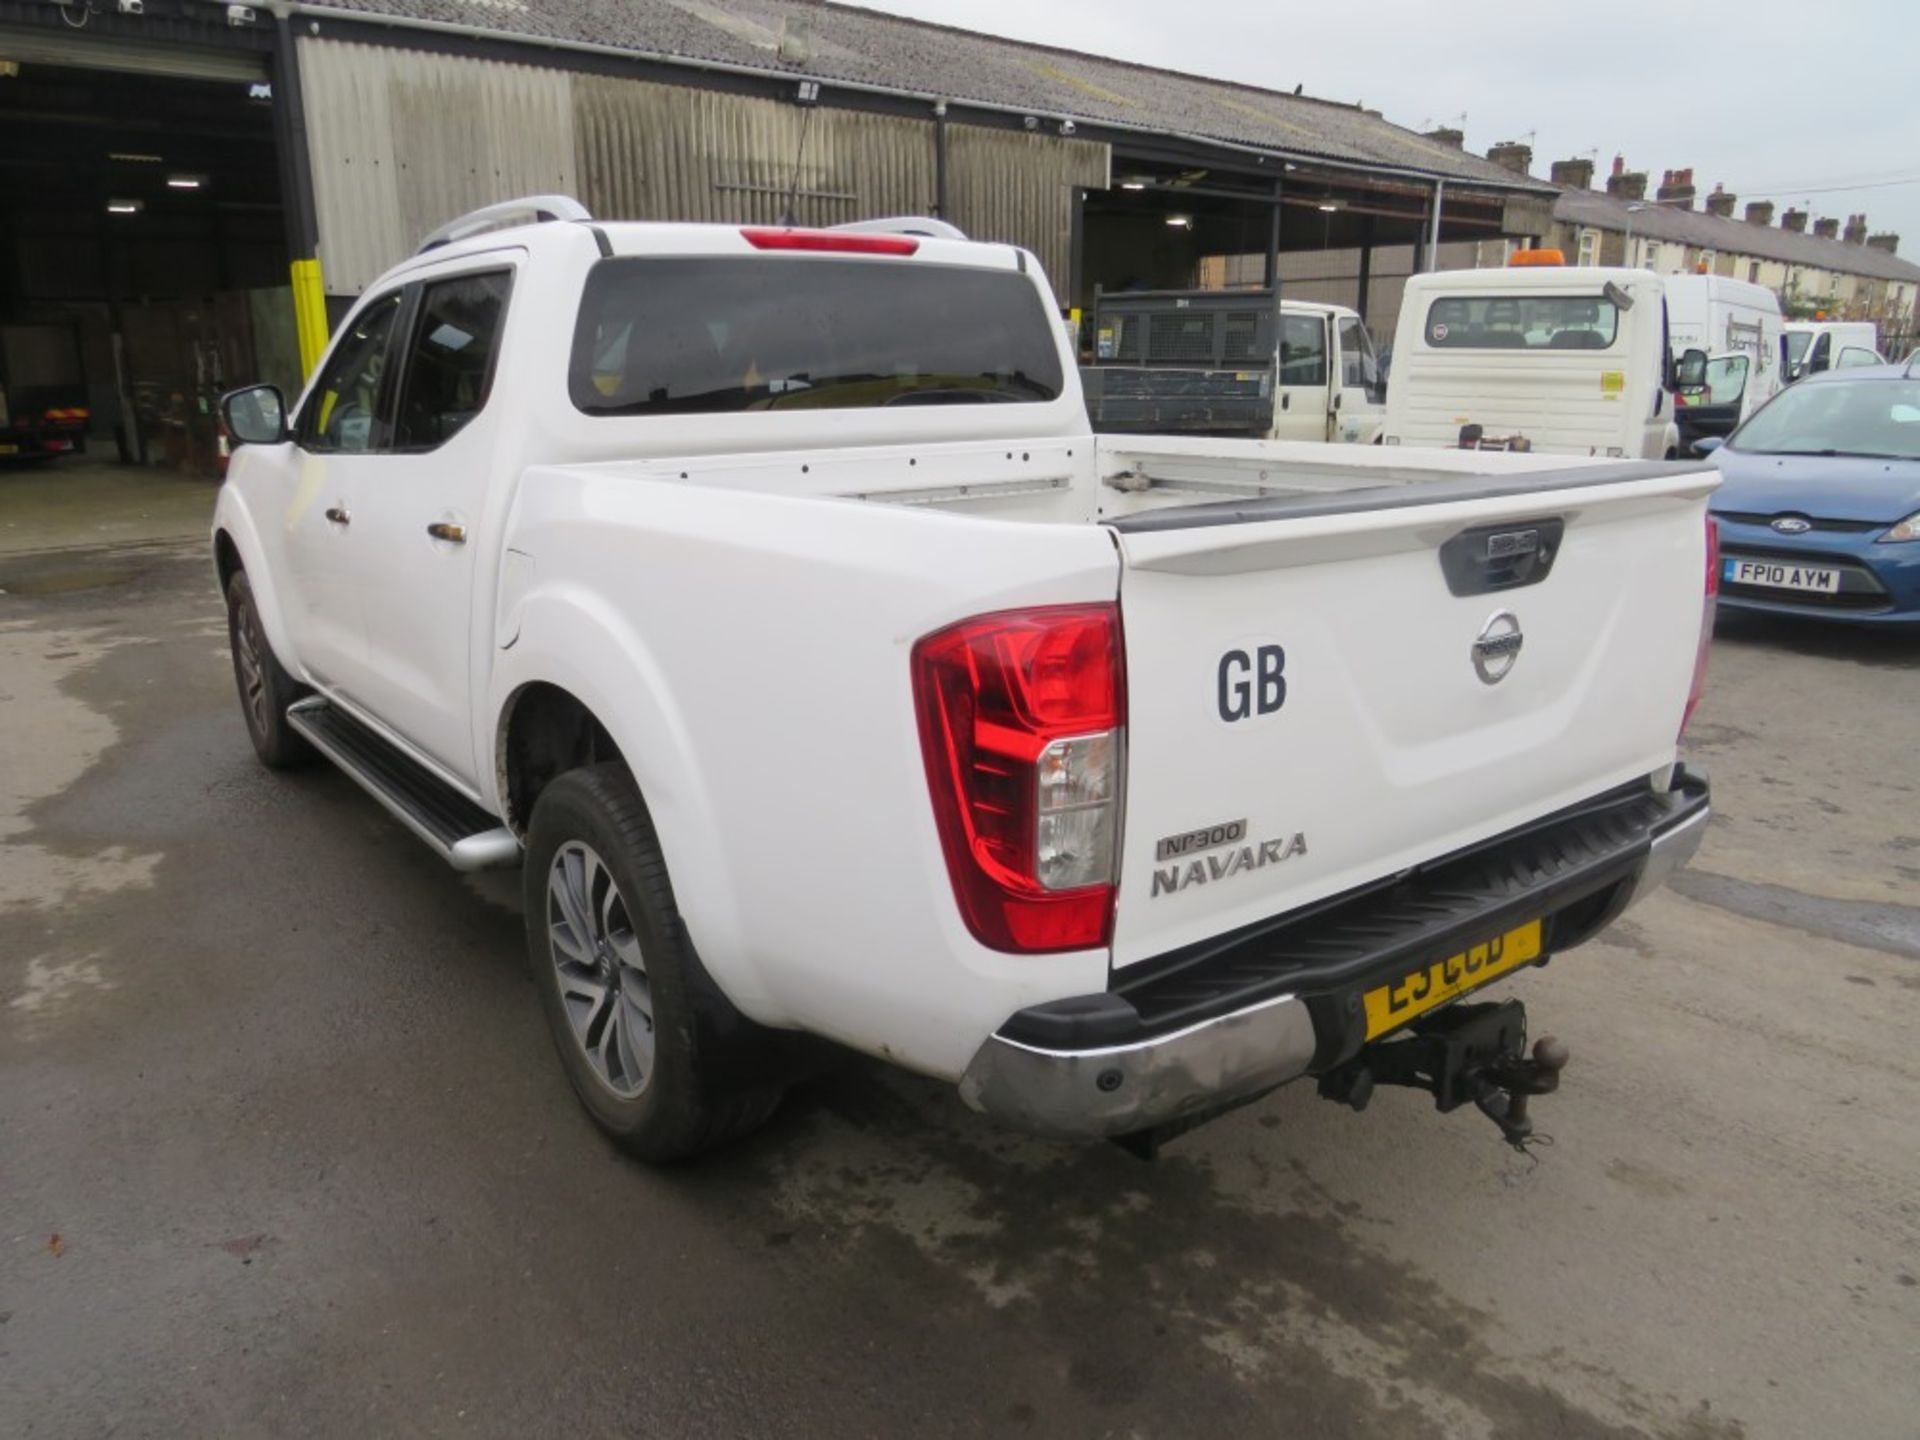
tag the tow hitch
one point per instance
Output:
(1466, 1052)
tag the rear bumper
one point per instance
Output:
(33, 444)
(1199, 1030)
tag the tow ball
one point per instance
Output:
(1466, 1052)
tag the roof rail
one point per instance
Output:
(905, 225)
(527, 210)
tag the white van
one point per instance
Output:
(1724, 335)
(1568, 360)
(1810, 346)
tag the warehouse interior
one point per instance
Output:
(143, 264)
(1174, 224)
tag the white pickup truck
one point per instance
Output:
(763, 594)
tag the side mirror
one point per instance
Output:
(1707, 444)
(1817, 364)
(1691, 372)
(255, 415)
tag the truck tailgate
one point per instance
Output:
(1325, 691)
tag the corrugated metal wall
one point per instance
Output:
(1007, 185)
(401, 141)
(664, 152)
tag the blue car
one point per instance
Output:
(1820, 507)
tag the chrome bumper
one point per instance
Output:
(1118, 1089)
(1124, 1088)
(1672, 848)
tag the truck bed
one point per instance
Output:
(1387, 752)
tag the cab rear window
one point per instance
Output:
(1522, 322)
(719, 334)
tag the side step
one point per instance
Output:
(467, 837)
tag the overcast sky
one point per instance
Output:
(1782, 100)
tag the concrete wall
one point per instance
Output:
(1332, 277)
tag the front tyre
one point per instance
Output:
(266, 689)
(616, 973)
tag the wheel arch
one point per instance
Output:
(544, 730)
(576, 662)
(226, 557)
(237, 548)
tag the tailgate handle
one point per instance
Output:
(1507, 556)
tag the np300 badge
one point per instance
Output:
(1497, 648)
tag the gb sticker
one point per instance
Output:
(1249, 681)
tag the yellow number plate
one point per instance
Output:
(1393, 1005)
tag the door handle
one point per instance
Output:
(338, 515)
(447, 530)
(1286, 401)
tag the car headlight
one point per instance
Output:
(1907, 529)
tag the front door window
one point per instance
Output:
(344, 413)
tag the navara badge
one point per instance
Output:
(1497, 648)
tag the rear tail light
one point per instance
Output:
(1021, 726)
(1706, 624)
(833, 241)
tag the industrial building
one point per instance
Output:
(189, 190)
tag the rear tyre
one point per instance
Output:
(618, 978)
(266, 689)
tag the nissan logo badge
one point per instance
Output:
(1497, 647)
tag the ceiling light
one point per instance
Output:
(185, 182)
(125, 207)
(1329, 206)
(9, 69)
(132, 157)
(1180, 222)
(1133, 184)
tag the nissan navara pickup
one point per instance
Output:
(765, 597)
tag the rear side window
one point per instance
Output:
(1522, 322)
(456, 340)
(719, 334)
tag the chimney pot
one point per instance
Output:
(1676, 190)
(1827, 228)
(1575, 174)
(1856, 231)
(1721, 203)
(1511, 155)
(1619, 164)
(1628, 185)
(1760, 212)
(1794, 220)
